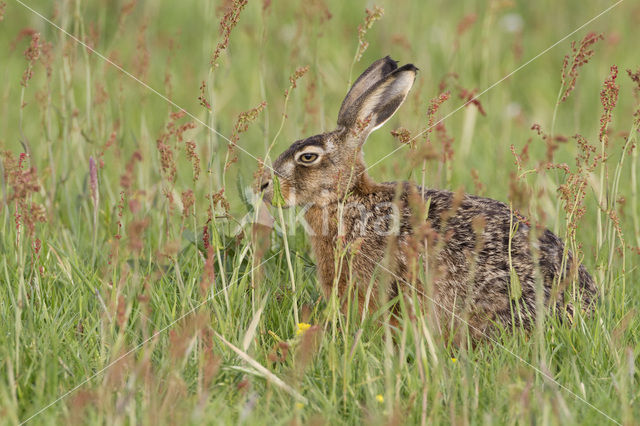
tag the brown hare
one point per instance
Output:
(366, 235)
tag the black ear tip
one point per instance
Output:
(410, 67)
(390, 60)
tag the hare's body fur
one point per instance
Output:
(469, 269)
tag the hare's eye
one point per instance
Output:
(308, 157)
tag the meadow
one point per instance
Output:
(138, 287)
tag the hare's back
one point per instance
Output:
(485, 241)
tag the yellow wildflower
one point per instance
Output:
(299, 405)
(380, 398)
(454, 360)
(302, 327)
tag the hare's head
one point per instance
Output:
(322, 168)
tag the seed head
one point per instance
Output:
(93, 180)
(371, 16)
(227, 24)
(608, 99)
(31, 55)
(580, 55)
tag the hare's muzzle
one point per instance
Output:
(263, 186)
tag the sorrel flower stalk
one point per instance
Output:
(227, 24)
(635, 78)
(371, 16)
(95, 200)
(242, 125)
(608, 99)
(432, 111)
(571, 194)
(31, 54)
(293, 79)
(216, 176)
(580, 56)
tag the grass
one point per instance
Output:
(109, 288)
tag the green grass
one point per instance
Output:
(71, 310)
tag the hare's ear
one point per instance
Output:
(376, 72)
(379, 102)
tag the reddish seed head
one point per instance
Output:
(608, 99)
(24, 186)
(242, 125)
(445, 82)
(227, 24)
(142, 55)
(135, 232)
(469, 97)
(371, 16)
(403, 135)
(37, 245)
(218, 199)
(635, 77)
(93, 180)
(446, 141)
(190, 149)
(127, 8)
(466, 23)
(188, 200)
(203, 100)
(293, 79)
(126, 180)
(31, 55)
(434, 106)
(581, 54)
(166, 147)
(477, 183)
(432, 110)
